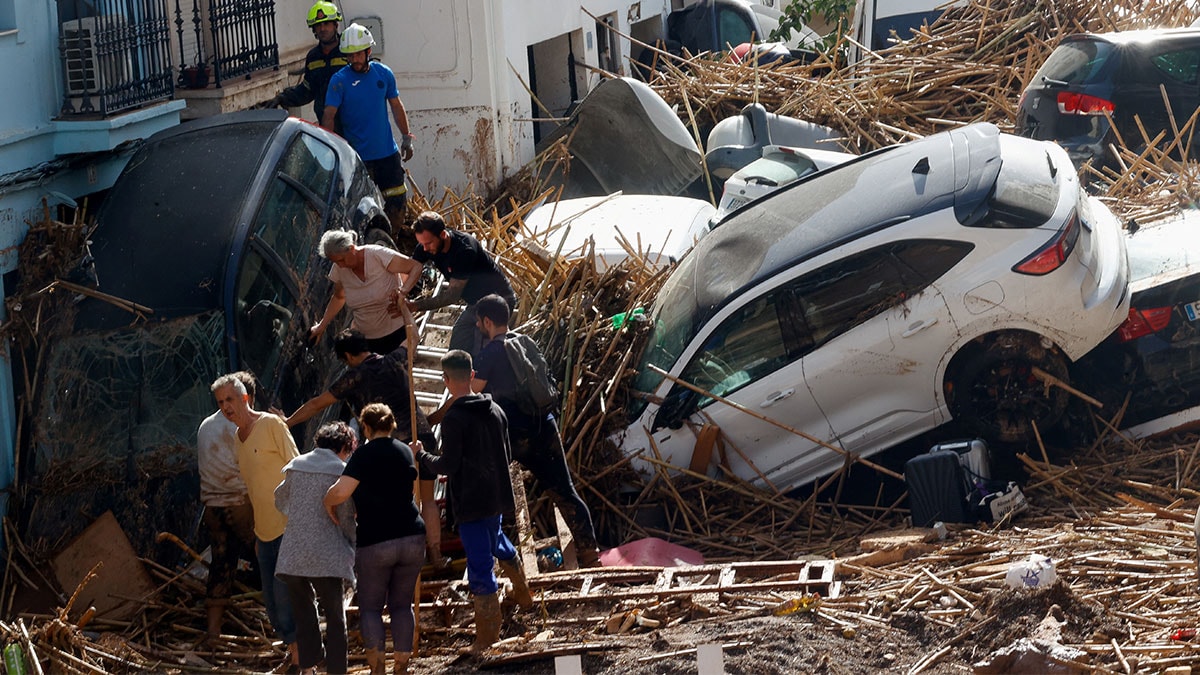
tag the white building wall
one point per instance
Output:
(463, 70)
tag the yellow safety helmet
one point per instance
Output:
(356, 38)
(323, 11)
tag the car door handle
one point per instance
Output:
(776, 397)
(914, 328)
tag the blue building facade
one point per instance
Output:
(79, 90)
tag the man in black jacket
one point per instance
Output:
(320, 64)
(535, 440)
(475, 457)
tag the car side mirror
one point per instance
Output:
(676, 407)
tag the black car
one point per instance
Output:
(1090, 78)
(1155, 354)
(214, 226)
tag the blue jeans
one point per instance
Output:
(482, 541)
(274, 592)
(387, 574)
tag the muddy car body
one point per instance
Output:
(1154, 355)
(876, 300)
(214, 226)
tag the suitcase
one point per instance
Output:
(936, 489)
(972, 454)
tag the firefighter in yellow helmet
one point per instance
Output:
(320, 64)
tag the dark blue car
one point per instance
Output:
(213, 225)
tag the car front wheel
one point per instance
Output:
(998, 394)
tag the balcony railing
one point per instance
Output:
(115, 55)
(229, 38)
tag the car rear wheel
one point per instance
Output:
(997, 394)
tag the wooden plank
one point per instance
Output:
(566, 541)
(524, 541)
(120, 576)
(706, 440)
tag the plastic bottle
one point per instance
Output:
(14, 659)
(619, 320)
(1036, 572)
(550, 558)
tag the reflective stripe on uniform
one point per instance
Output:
(328, 63)
(396, 191)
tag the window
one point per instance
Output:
(1178, 66)
(787, 323)
(1076, 62)
(263, 313)
(293, 209)
(8, 15)
(733, 30)
(757, 340)
(841, 296)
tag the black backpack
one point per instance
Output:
(536, 394)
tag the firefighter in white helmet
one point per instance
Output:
(359, 96)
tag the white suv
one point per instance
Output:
(876, 300)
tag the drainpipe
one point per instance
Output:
(8, 424)
(502, 125)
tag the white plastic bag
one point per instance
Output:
(1036, 572)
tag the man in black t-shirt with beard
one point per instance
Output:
(470, 272)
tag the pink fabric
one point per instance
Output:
(652, 552)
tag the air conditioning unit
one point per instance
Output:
(93, 64)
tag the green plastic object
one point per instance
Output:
(619, 320)
(14, 660)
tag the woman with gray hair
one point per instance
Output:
(372, 280)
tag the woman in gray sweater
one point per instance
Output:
(317, 554)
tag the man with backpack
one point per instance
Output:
(511, 368)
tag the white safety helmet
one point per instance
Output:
(356, 38)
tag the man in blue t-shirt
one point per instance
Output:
(359, 96)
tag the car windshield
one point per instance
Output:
(1075, 62)
(778, 169)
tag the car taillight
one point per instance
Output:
(1074, 103)
(1054, 253)
(1143, 322)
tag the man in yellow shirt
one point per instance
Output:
(263, 446)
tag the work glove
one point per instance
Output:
(406, 147)
(275, 102)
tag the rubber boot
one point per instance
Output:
(516, 573)
(215, 612)
(377, 662)
(400, 662)
(487, 623)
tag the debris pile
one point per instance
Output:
(971, 65)
(1114, 517)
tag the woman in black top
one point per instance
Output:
(391, 534)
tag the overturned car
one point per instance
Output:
(952, 277)
(212, 228)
